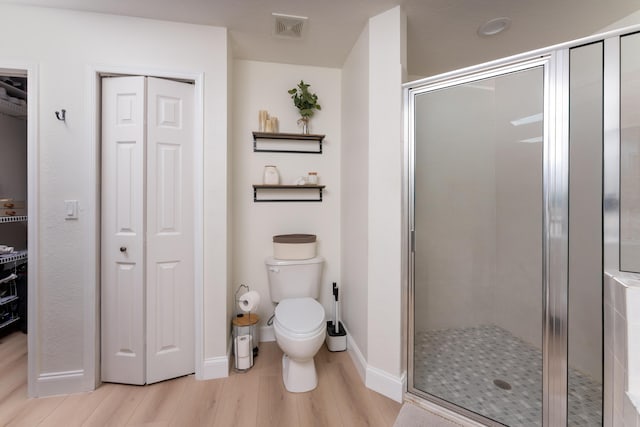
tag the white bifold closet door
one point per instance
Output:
(147, 237)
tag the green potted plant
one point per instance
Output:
(306, 102)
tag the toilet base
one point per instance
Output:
(298, 377)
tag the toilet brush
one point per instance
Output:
(336, 334)
(336, 320)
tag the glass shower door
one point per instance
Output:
(478, 246)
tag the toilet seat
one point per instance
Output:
(300, 317)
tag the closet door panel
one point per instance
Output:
(170, 294)
(122, 233)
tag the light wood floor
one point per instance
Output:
(255, 398)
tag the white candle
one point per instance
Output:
(263, 115)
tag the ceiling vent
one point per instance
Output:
(288, 26)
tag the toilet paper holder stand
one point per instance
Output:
(237, 297)
(245, 327)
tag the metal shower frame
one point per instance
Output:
(555, 63)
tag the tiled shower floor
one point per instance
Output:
(460, 366)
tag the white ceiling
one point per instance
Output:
(441, 33)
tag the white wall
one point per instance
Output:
(632, 314)
(622, 345)
(518, 292)
(478, 207)
(372, 269)
(263, 86)
(387, 66)
(632, 19)
(354, 185)
(63, 45)
(455, 213)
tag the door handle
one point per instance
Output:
(123, 249)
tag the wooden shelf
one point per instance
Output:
(247, 319)
(286, 142)
(287, 189)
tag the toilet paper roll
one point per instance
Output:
(249, 301)
(243, 345)
(244, 352)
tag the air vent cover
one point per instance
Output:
(288, 26)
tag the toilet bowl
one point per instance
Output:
(300, 328)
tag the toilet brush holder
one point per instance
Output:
(336, 341)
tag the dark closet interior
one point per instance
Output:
(13, 204)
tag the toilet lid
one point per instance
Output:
(300, 315)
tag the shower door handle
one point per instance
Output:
(412, 240)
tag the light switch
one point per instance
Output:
(70, 209)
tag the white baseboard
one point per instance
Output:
(386, 384)
(356, 356)
(267, 334)
(376, 379)
(216, 367)
(65, 382)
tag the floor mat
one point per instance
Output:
(412, 416)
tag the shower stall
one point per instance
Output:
(507, 198)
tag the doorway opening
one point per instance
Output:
(18, 224)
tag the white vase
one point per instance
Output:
(271, 175)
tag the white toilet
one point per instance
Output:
(299, 322)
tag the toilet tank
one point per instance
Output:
(294, 278)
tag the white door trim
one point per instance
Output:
(33, 367)
(91, 297)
